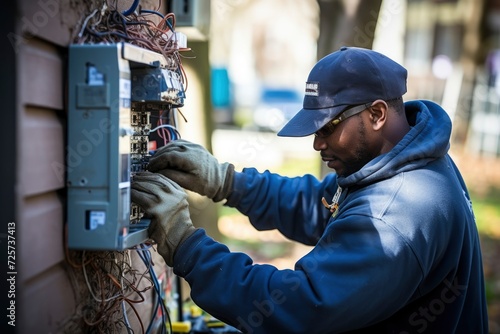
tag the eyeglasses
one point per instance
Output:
(327, 130)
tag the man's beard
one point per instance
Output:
(362, 156)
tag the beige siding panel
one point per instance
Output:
(42, 152)
(42, 18)
(46, 301)
(41, 76)
(41, 227)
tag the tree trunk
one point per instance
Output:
(342, 25)
(346, 23)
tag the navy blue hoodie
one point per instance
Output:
(401, 255)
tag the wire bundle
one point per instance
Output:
(108, 25)
(166, 127)
(111, 286)
(160, 307)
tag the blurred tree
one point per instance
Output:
(346, 23)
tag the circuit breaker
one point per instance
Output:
(117, 95)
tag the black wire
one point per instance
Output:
(120, 19)
(108, 33)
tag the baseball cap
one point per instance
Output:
(349, 76)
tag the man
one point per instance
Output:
(396, 248)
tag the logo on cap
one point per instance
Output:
(312, 88)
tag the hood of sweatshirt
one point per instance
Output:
(427, 140)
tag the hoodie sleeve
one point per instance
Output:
(291, 205)
(334, 288)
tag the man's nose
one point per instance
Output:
(319, 143)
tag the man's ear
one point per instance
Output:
(378, 114)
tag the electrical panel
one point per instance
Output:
(121, 107)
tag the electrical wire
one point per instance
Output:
(80, 34)
(132, 8)
(126, 322)
(111, 282)
(165, 131)
(148, 11)
(174, 135)
(111, 26)
(145, 255)
(158, 299)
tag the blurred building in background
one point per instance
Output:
(446, 49)
(266, 49)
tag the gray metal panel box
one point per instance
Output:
(98, 151)
(192, 17)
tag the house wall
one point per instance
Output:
(7, 138)
(47, 297)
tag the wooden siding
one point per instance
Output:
(47, 302)
(42, 153)
(41, 245)
(40, 215)
(41, 75)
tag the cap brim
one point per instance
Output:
(308, 121)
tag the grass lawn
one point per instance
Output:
(487, 212)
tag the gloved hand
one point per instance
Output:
(193, 168)
(167, 205)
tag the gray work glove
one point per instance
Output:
(166, 203)
(193, 168)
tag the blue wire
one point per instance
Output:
(132, 8)
(145, 255)
(169, 25)
(173, 134)
(148, 11)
